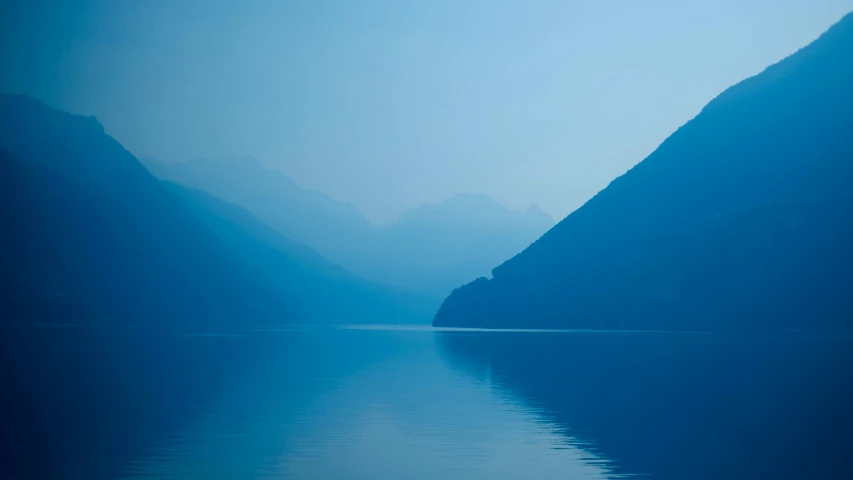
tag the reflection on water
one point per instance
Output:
(383, 407)
(682, 406)
(376, 403)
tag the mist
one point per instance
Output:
(388, 240)
(393, 104)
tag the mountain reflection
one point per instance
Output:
(675, 406)
(318, 403)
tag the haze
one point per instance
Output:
(391, 104)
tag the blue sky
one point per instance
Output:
(389, 104)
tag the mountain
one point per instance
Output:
(739, 220)
(96, 238)
(434, 247)
(331, 227)
(90, 236)
(316, 290)
(429, 249)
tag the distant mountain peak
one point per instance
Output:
(472, 211)
(469, 197)
(462, 207)
(305, 215)
(248, 162)
(534, 211)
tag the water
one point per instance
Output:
(417, 403)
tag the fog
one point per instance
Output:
(392, 104)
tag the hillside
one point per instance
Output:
(429, 250)
(739, 220)
(316, 290)
(97, 239)
(76, 253)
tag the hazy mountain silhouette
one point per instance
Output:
(740, 219)
(331, 227)
(92, 237)
(317, 291)
(99, 239)
(429, 249)
(434, 247)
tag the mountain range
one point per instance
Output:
(740, 220)
(98, 239)
(429, 250)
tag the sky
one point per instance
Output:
(390, 104)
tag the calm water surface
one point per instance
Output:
(416, 403)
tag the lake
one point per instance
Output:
(364, 403)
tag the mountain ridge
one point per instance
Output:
(98, 239)
(778, 138)
(427, 251)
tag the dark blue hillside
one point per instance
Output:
(74, 253)
(740, 220)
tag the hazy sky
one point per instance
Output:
(392, 103)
